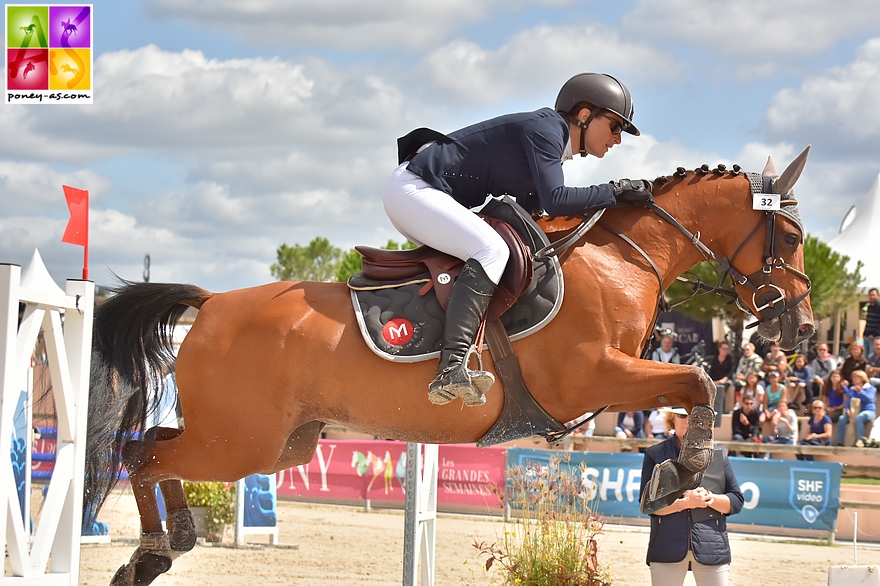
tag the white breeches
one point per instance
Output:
(428, 216)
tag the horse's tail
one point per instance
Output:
(131, 353)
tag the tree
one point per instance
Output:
(351, 262)
(321, 261)
(705, 306)
(315, 262)
(834, 287)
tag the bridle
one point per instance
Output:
(769, 300)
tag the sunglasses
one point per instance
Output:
(616, 127)
(680, 416)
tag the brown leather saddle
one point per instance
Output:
(397, 266)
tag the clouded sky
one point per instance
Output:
(222, 129)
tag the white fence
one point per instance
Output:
(52, 555)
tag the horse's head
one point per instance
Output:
(756, 236)
(768, 267)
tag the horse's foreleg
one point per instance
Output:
(661, 384)
(154, 553)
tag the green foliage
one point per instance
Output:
(321, 261)
(393, 245)
(315, 262)
(703, 306)
(834, 287)
(350, 264)
(553, 541)
(218, 500)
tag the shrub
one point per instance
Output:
(218, 498)
(551, 541)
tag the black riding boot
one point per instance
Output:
(464, 313)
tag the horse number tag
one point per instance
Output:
(766, 201)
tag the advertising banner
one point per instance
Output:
(778, 493)
(354, 470)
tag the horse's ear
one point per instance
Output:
(770, 169)
(791, 174)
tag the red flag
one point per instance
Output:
(77, 231)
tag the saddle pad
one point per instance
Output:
(400, 325)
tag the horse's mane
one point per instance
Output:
(681, 172)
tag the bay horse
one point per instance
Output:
(264, 369)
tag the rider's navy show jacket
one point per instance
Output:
(518, 155)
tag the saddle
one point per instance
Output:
(407, 266)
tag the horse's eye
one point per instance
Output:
(792, 239)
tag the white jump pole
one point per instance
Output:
(53, 557)
(420, 514)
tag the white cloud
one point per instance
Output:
(836, 109)
(340, 24)
(642, 157)
(33, 188)
(154, 100)
(754, 29)
(538, 60)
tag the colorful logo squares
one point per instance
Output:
(49, 54)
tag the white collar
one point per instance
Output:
(566, 152)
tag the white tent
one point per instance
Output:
(858, 237)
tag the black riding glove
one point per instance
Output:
(632, 192)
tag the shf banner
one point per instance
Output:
(778, 493)
(351, 470)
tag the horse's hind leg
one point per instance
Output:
(178, 518)
(154, 554)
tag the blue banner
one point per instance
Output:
(778, 493)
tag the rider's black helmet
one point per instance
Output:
(601, 90)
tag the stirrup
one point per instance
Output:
(457, 381)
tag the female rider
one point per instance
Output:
(429, 198)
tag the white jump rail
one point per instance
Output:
(420, 516)
(54, 554)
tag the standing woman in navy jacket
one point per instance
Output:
(440, 178)
(691, 533)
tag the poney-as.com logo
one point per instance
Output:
(48, 54)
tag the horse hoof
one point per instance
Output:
(142, 572)
(124, 576)
(668, 482)
(695, 460)
(181, 530)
